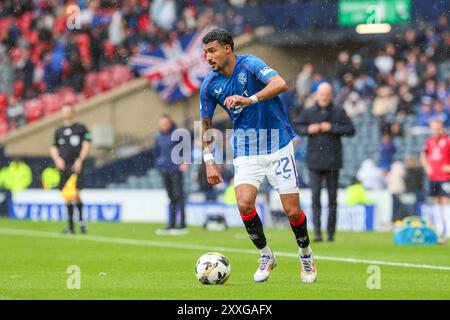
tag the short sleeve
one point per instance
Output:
(259, 69)
(207, 101)
(85, 134)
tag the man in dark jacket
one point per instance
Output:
(324, 124)
(172, 175)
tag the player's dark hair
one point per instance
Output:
(221, 36)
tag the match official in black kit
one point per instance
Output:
(72, 142)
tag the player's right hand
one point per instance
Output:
(60, 164)
(213, 173)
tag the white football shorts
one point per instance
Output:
(279, 168)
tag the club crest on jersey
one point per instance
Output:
(242, 78)
(219, 91)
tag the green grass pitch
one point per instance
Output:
(128, 261)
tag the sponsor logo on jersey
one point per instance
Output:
(265, 71)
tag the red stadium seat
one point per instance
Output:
(120, 74)
(3, 102)
(104, 80)
(34, 110)
(90, 85)
(51, 102)
(67, 96)
(3, 116)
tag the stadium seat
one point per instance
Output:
(67, 96)
(90, 85)
(52, 103)
(34, 110)
(120, 74)
(104, 80)
(3, 116)
(3, 102)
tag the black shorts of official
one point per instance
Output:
(65, 175)
(439, 189)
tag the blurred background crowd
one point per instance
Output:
(390, 87)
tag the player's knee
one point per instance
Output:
(293, 213)
(245, 206)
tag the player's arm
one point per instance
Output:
(85, 148)
(275, 85)
(207, 107)
(212, 171)
(59, 162)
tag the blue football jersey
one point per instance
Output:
(259, 128)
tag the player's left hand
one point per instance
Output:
(233, 101)
(446, 168)
(77, 166)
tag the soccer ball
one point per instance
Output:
(212, 268)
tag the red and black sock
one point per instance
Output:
(300, 230)
(254, 228)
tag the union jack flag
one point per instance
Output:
(175, 69)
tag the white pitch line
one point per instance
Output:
(160, 244)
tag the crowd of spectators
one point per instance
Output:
(408, 76)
